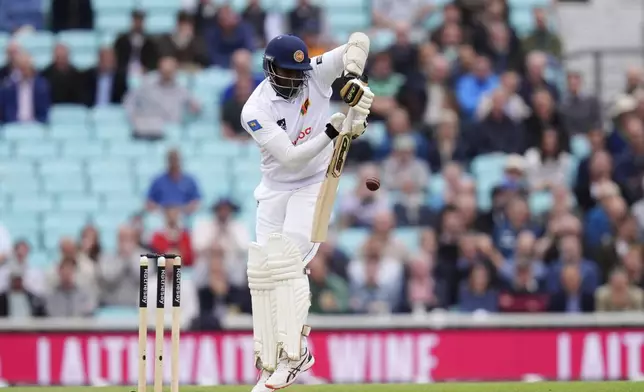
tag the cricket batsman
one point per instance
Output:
(287, 117)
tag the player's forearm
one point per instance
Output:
(281, 148)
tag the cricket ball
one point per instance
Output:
(373, 184)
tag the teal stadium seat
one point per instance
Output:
(21, 224)
(220, 149)
(63, 184)
(24, 131)
(79, 203)
(522, 20)
(157, 22)
(434, 20)
(79, 40)
(32, 204)
(82, 149)
(153, 222)
(351, 240)
(111, 166)
(112, 22)
(68, 114)
(37, 150)
(41, 260)
(113, 132)
(377, 133)
(69, 132)
(125, 204)
(213, 188)
(113, 6)
(580, 146)
(61, 167)
(41, 42)
(540, 203)
(170, 6)
(203, 130)
(6, 149)
(529, 3)
(409, 236)
(285, 5)
(17, 168)
(65, 222)
(84, 60)
(348, 182)
(111, 184)
(116, 313)
(19, 185)
(129, 149)
(341, 21)
(217, 78)
(108, 114)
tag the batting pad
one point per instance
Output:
(263, 307)
(292, 293)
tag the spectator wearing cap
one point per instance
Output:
(448, 145)
(622, 112)
(515, 107)
(619, 295)
(386, 83)
(570, 296)
(542, 38)
(173, 238)
(403, 165)
(227, 34)
(548, 165)
(158, 102)
(497, 132)
(224, 230)
(545, 115)
(629, 167)
(25, 98)
(516, 220)
(581, 112)
(360, 206)
(17, 301)
(477, 294)
(184, 45)
(329, 292)
(135, 50)
(535, 79)
(105, 84)
(471, 87)
(611, 207)
(174, 187)
(71, 15)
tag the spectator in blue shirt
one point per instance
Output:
(28, 84)
(226, 35)
(476, 294)
(598, 221)
(174, 188)
(570, 255)
(571, 298)
(242, 64)
(471, 87)
(629, 167)
(517, 220)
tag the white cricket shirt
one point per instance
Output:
(266, 115)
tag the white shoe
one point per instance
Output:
(261, 383)
(288, 371)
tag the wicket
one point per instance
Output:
(159, 321)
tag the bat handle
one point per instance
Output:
(348, 122)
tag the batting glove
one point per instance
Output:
(358, 95)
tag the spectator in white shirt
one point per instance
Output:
(5, 244)
(403, 165)
(358, 208)
(32, 278)
(547, 165)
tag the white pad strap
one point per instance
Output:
(263, 307)
(292, 293)
(356, 53)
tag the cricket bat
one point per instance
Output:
(326, 198)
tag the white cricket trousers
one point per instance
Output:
(289, 213)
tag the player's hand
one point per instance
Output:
(336, 121)
(358, 95)
(358, 126)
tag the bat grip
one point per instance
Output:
(348, 122)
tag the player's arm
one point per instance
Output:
(348, 59)
(272, 137)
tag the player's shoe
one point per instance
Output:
(288, 371)
(261, 383)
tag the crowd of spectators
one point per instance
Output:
(470, 88)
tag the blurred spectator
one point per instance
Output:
(497, 132)
(375, 280)
(68, 297)
(31, 277)
(571, 298)
(5, 244)
(358, 208)
(618, 294)
(336, 259)
(402, 166)
(119, 271)
(597, 142)
(613, 249)
(410, 208)
(517, 219)
(90, 243)
(428, 246)
(71, 15)
(65, 81)
(25, 98)
(516, 109)
(174, 187)
(329, 292)
(22, 14)
(629, 167)
(494, 12)
(524, 255)
(242, 65)
(523, 293)
(451, 15)
(421, 287)
(188, 49)
(465, 63)
(305, 16)
(173, 238)
(398, 124)
(159, 101)
(581, 112)
(623, 115)
(404, 52)
(232, 108)
(570, 255)
(503, 56)
(545, 116)
(391, 14)
(535, 79)
(137, 224)
(466, 205)
(476, 294)
(255, 16)
(634, 265)
(548, 165)
(385, 83)
(224, 230)
(450, 229)
(216, 295)
(599, 220)
(84, 267)
(382, 230)
(9, 70)
(454, 181)
(470, 88)
(105, 84)
(634, 79)
(18, 301)
(448, 144)
(315, 42)
(599, 170)
(227, 34)
(449, 41)
(542, 38)
(189, 297)
(135, 50)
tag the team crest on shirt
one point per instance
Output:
(298, 56)
(254, 125)
(282, 123)
(305, 107)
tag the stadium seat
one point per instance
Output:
(522, 21)
(348, 182)
(160, 22)
(19, 223)
(220, 149)
(112, 184)
(116, 312)
(63, 184)
(408, 236)
(203, 131)
(17, 168)
(377, 133)
(6, 149)
(528, 4)
(580, 146)
(61, 167)
(40, 150)
(484, 165)
(113, 6)
(113, 132)
(213, 190)
(108, 114)
(68, 114)
(80, 203)
(20, 185)
(112, 166)
(124, 204)
(540, 202)
(36, 42)
(84, 60)
(67, 222)
(351, 240)
(24, 131)
(82, 149)
(69, 132)
(129, 149)
(79, 40)
(341, 21)
(41, 260)
(217, 78)
(116, 23)
(32, 204)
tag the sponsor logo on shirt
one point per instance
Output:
(282, 123)
(302, 135)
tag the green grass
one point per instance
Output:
(468, 387)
